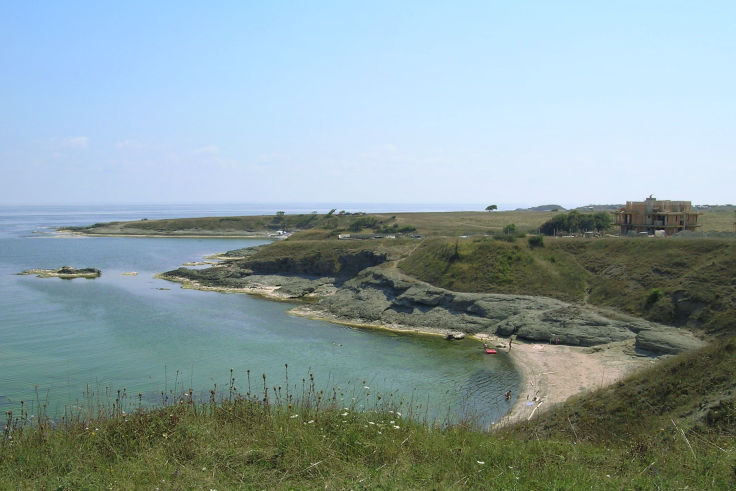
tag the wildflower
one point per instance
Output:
(380, 433)
(398, 414)
(371, 423)
(310, 421)
(366, 387)
(392, 422)
(397, 427)
(344, 414)
(293, 416)
(204, 468)
(480, 462)
(608, 475)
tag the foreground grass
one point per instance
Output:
(671, 426)
(242, 445)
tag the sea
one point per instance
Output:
(71, 347)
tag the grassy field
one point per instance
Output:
(669, 427)
(316, 226)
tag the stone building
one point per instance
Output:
(652, 214)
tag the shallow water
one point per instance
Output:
(70, 341)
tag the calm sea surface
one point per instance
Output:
(68, 341)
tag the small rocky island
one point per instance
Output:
(65, 272)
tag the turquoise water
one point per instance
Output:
(62, 340)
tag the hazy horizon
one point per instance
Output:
(391, 102)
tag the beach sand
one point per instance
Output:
(552, 373)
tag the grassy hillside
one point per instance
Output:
(492, 266)
(669, 427)
(677, 281)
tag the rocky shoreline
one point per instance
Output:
(381, 296)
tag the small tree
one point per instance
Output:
(491, 207)
(509, 229)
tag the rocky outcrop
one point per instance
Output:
(293, 271)
(65, 272)
(388, 297)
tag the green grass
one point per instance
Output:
(649, 431)
(694, 276)
(486, 265)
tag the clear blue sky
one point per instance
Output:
(354, 101)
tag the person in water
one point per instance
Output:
(508, 395)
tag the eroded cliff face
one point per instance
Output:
(356, 288)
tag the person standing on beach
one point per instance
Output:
(510, 339)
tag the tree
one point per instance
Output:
(491, 207)
(509, 229)
(602, 220)
(557, 223)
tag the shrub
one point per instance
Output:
(536, 241)
(654, 295)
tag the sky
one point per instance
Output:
(529, 102)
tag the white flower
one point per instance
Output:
(366, 387)
(398, 413)
(293, 416)
(310, 421)
(392, 422)
(480, 462)
(396, 427)
(371, 423)
(344, 414)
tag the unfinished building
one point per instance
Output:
(656, 217)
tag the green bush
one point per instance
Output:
(654, 295)
(536, 241)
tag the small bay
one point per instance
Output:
(68, 341)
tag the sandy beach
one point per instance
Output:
(552, 373)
